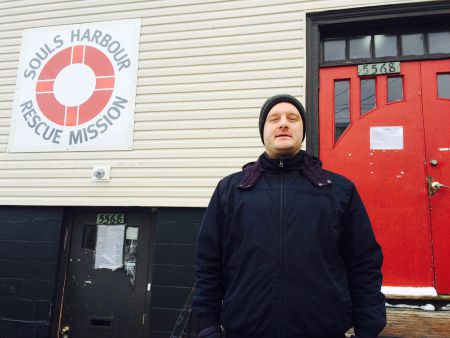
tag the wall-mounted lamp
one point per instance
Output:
(101, 173)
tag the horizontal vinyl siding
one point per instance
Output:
(205, 68)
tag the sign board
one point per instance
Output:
(76, 88)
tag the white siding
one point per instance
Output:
(205, 68)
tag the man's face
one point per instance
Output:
(283, 130)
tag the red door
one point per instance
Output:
(436, 113)
(374, 130)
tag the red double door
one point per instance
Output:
(390, 134)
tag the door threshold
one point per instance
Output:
(408, 291)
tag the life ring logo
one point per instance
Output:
(76, 88)
(91, 75)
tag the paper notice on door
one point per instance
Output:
(386, 138)
(109, 248)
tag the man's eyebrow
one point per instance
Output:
(276, 112)
(289, 112)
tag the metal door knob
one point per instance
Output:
(436, 186)
(65, 332)
(434, 163)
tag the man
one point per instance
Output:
(286, 249)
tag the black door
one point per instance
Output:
(106, 283)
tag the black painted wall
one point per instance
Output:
(29, 248)
(173, 266)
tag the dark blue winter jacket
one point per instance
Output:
(286, 259)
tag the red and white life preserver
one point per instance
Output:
(86, 111)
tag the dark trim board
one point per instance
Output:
(63, 259)
(375, 19)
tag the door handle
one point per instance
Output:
(434, 186)
(65, 332)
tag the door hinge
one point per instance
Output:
(149, 286)
(143, 319)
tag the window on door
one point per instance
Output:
(379, 47)
(443, 83)
(341, 107)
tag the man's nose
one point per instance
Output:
(283, 123)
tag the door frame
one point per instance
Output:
(377, 18)
(64, 256)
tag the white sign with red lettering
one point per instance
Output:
(76, 88)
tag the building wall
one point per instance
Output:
(29, 248)
(173, 266)
(30, 251)
(205, 68)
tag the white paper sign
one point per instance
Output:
(76, 88)
(386, 138)
(109, 248)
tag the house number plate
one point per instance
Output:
(110, 219)
(379, 68)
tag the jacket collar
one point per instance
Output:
(282, 163)
(308, 165)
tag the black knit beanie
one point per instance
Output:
(267, 106)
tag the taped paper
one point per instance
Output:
(109, 249)
(386, 138)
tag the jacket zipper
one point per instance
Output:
(281, 276)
